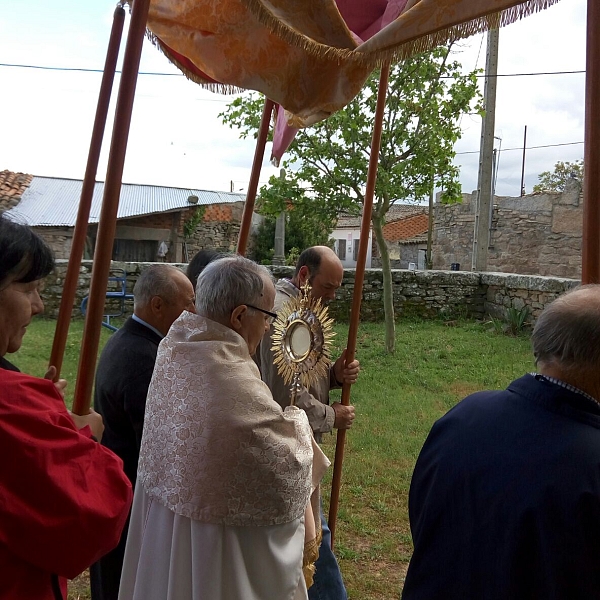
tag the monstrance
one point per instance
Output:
(303, 332)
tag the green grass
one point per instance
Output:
(397, 399)
(33, 356)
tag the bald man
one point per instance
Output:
(161, 293)
(322, 269)
(504, 501)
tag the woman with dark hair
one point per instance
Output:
(64, 498)
(25, 261)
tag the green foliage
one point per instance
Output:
(300, 232)
(262, 242)
(427, 95)
(515, 322)
(190, 224)
(292, 256)
(517, 319)
(555, 181)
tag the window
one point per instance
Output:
(355, 251)
(341, 249)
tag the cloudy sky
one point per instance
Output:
(177, 139)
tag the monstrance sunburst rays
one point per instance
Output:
(301, 340)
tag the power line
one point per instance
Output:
(527, 148)
(534, 74)
(82, 70)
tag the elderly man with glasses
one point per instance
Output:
(225, 475)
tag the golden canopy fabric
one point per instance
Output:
(304, 55)
(226, 41)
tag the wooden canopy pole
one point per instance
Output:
(87, 192)
(590, 272)
(363, 244)
(110, 205)
(261, 142)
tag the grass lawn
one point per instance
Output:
(397, 398)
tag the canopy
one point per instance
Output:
(312, 57)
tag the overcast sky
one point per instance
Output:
(177, 139)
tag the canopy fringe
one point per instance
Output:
(457, 32)
(289, 35)
(404, 51)
(213, 86)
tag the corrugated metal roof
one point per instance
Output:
(53, 202)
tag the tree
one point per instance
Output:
(300, 233)
(327, 164)
(555, 181)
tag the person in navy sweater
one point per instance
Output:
(504, 502)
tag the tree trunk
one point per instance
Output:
(388, 295)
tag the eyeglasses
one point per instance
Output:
(272, 315)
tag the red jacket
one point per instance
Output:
(64, 498)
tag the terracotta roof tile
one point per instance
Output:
(12, 185)
(407, 228)
(397, 211)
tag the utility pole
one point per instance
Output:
(591, 182)
(481, 237)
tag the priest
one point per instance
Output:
(222, 502)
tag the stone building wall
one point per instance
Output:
(416, 293)
(58, 238)
(538, 234)
(218, 230)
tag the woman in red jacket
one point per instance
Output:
(63, 497)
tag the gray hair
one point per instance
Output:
(567, 333)
(156, 280)
(227, 283)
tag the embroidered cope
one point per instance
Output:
(216, 447)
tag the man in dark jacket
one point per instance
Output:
(505, 498)
(161, 294)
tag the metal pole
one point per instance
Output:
(361, 260)
(261, 142)
(87, 192)
(523, 167)
(481, 240)
(590, 272)
(110, 205)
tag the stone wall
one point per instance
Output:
(504, 291)
(538, 234)
(58, 238)
(427, 294)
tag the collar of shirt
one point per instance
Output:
(566, 385)
(142, 322)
